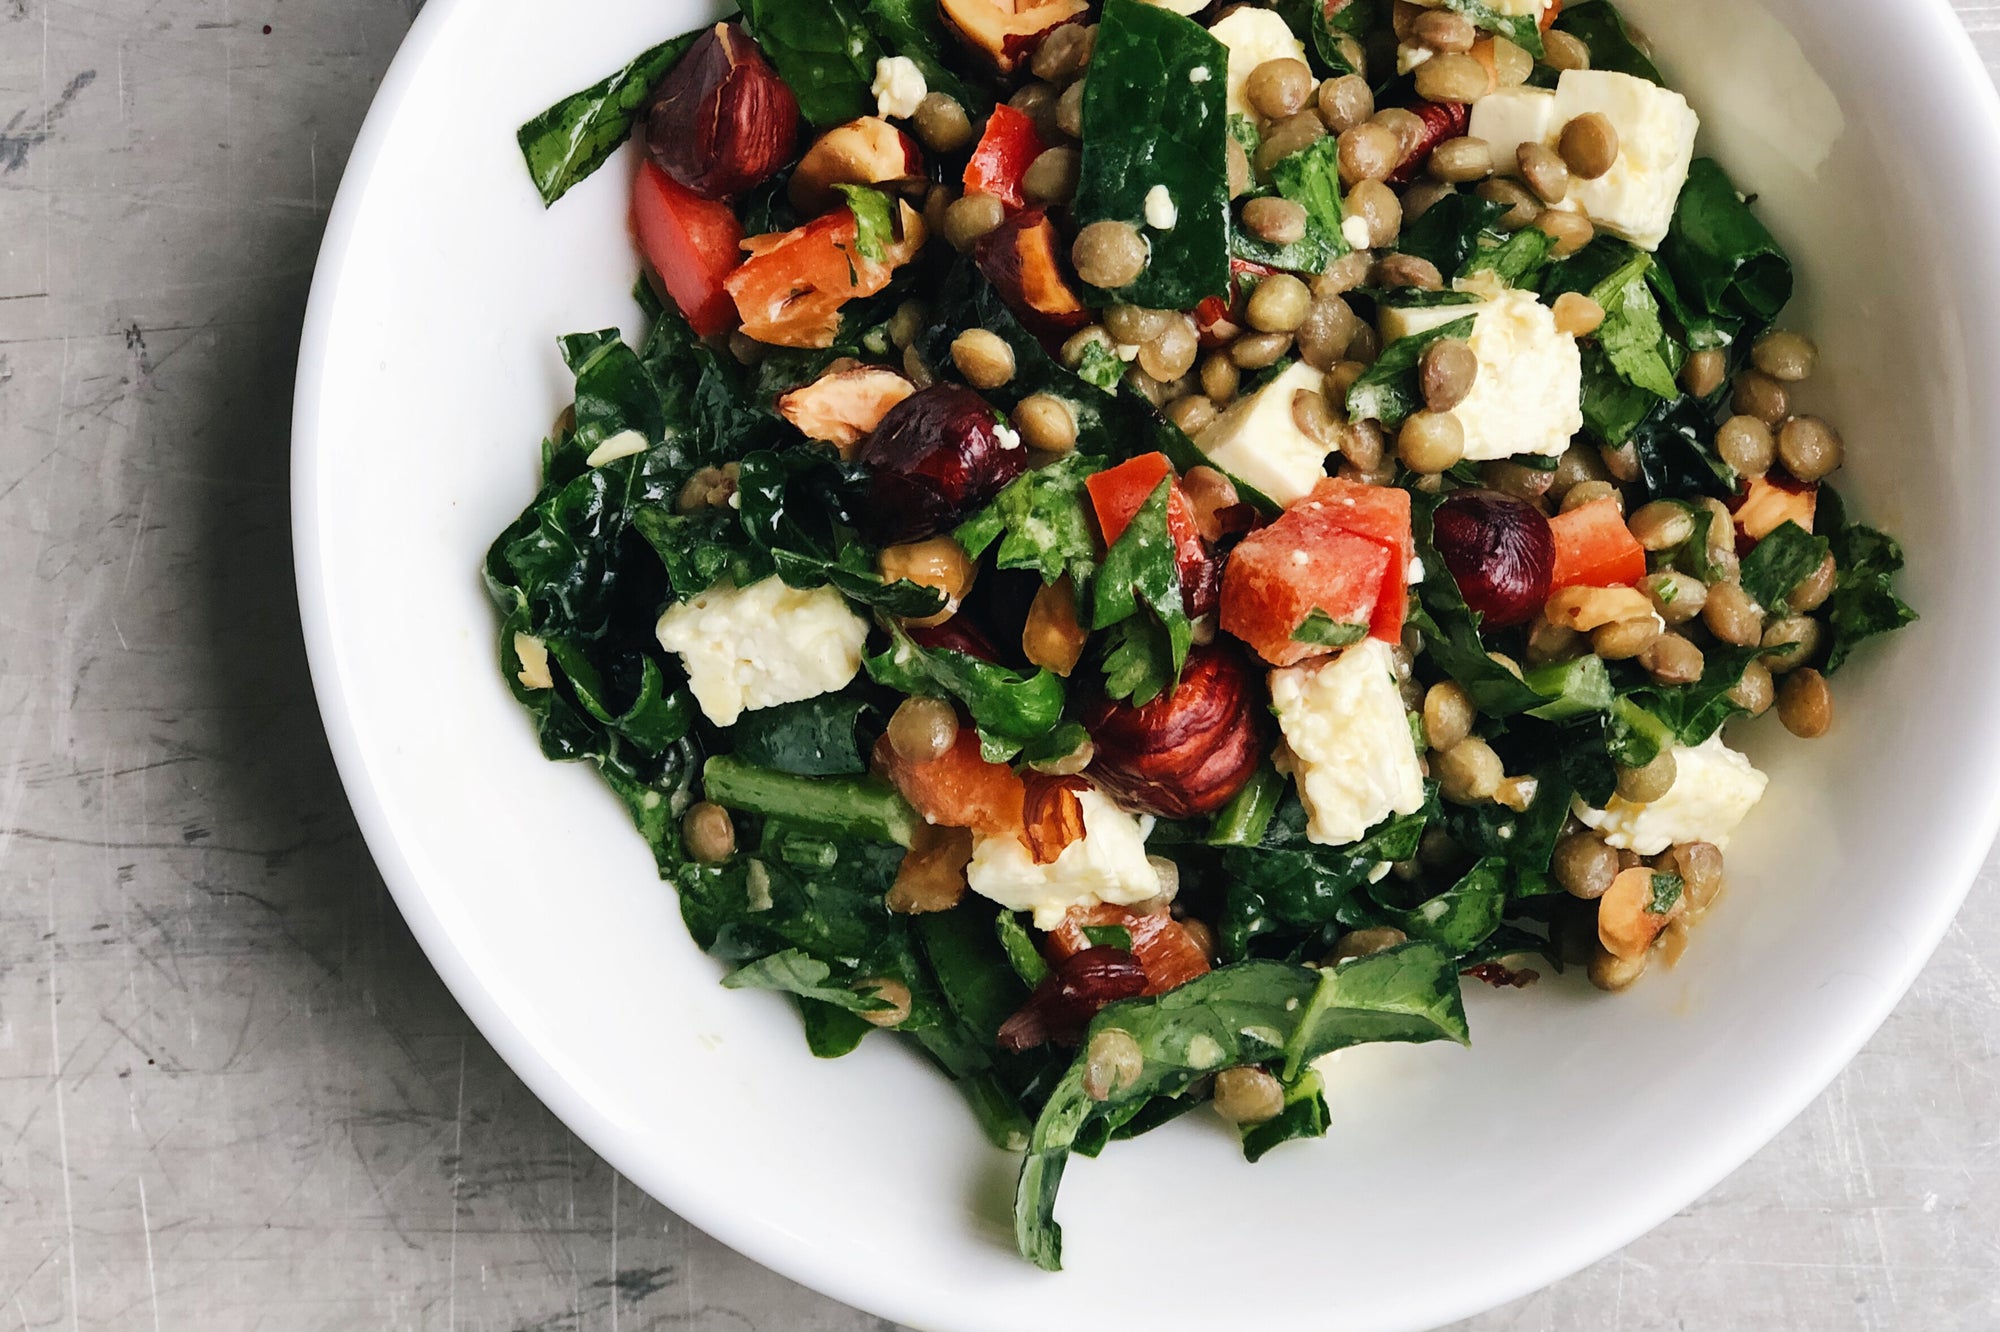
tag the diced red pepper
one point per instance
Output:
(1382, 515)
(958, 788)
(1118, 494)
(1218, 320)
(692, 245)
(1279, 575)
(1551, 14)
(1162, 944)
(1002, 157)
(1594, 548)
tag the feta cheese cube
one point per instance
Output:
(1528, 395)
(1714, 788)
(1107, 864)
(1656, 131)
(899, 86)
(1257, 440)
(1511, 117)
(1347, 741)
(1161, 214)
(762, 645)
(1253, 36)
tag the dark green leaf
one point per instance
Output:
(1460, 918)
(1677, 458)
(1666, 892)
(1309, 178)
(794, 972)
(1003, 702)
(1723, 260)
(1449, 232)
(1694, 712)
(1779, 562)
(1515, 261)
(1305, 1116)
(576, 136)
(1043, 522)
(857, 807)
(1597, 24)
(1142, 571)
(1387, 390)
(823, 51)
(913, 28)
(1252, 1012)
(1864, 602)
(1291, 888)
(819, 737)
(1147, 122)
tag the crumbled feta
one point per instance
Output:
(1007, 436)
(1200, 74)
(534, 655)
(899, 85)
(762, 645)
(1656, 131)
(1253, 36)
(1185, 8)
(1257, 440)
(621, 445)
(1107, 864)
(1348, 741)
(1714, 788)
(1160, 211)
(1355, 231)
(1528, 394)
(1409, 55)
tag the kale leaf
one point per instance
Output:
(576, 136)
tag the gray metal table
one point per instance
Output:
(232, 1093)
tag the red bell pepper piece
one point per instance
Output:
(692, 244)
(1002, 157)
(1594, 548)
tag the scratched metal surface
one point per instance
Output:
(232, 1094)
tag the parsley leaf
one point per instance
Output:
(1323, 630)
(1042, 522)
(1780, 561)
(1108, 936)
(1387, 392)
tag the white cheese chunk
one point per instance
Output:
(1348, 741)
(1511, 117)
(1656, 131)
(1253, 36)
(1185, 8)
(1528, 394)
(899, 86)
(1409, 55)
(1714, 788)
(1107, 864)
(1257, 440)
(1160, 211)
(762, 645)
(1355, 231)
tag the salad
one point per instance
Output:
(1145, 543)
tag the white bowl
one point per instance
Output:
(1453, 1180)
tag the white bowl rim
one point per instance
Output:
(1954, 59)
